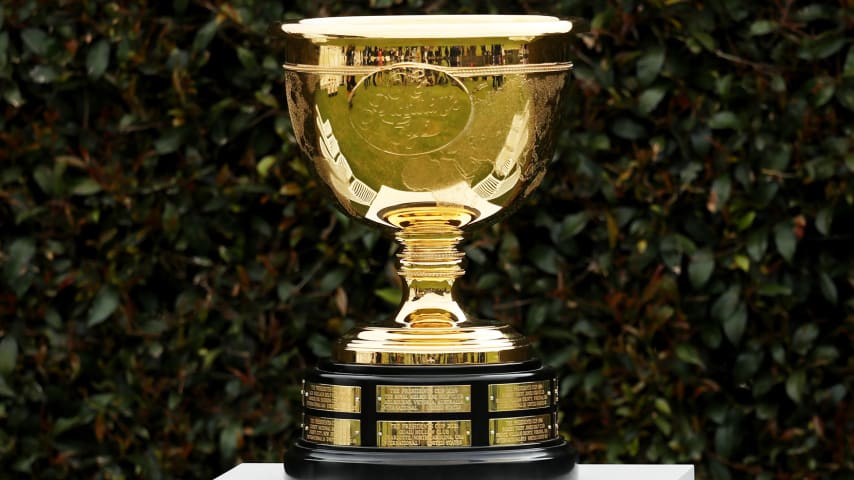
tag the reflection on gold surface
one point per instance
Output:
(428, 126)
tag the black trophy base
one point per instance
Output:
(427, 422)
(544, 461)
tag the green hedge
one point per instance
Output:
(168, 265)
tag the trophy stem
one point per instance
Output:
(430, 262)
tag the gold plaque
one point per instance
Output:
(423, 398)
(442, 433)
(508, 397)
(332, 398)
(332, 431)
(518, 430)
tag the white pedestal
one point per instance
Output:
(275, 471)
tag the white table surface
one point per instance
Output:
(275, 471)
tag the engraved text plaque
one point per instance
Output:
(519, 430)
(507, 397)
(332, 398)
(331, 431)
(440, 433)
(423, 398)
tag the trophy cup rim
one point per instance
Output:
(429, 26)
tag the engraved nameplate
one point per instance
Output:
(440, 433)
(507, 397)
(518, 430)
(331, 431)
(424, 398)
(332, 398)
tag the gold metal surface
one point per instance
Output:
(440, 433)
(331, 431)
(475, 345)
(428, 126)
(423, 398)
(507, 397)
(519, 430)
(332, 398)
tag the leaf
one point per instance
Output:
(36, 40)
(741, 262)
(105, 303)
(701, 267)
(86, 186)
(671, 252)
(572, 225)
(726, 304)
(821, 46)
(649, 64)
(828, 288)
(390, 295)
(727, 438)
(332, 280)
(98, 59)
(21, 251)
(722, 188)
(689, 354)
(205, 35)
(796, 385)
(746, 365)
(763, 27)
(774, 290)
(545, 258)
(704, 39)
(650, 98)
(628, 129)
(8, 354)
(319, 345)
(724, 120)
(735, 324)
(12, 95)
(662, 406)
(265, 164)
(169, 142)
(247, 58)
(5, 389)
(43, 74)
(757, 244)
(823, 220)
(536, 316)
(804, 337)
(848, 69)
(229, 437)
(784, 239)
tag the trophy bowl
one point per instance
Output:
(427, 127)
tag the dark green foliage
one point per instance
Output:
(167, 264)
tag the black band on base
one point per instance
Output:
(550, 460)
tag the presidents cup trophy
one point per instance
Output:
(428, 126)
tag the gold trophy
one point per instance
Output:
(428, 126)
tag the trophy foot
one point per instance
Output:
(390, 421)
(551, 460)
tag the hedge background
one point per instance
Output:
(167, 264)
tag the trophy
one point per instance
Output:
(427, 127)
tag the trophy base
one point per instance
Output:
(551, 460)
(490, 421)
